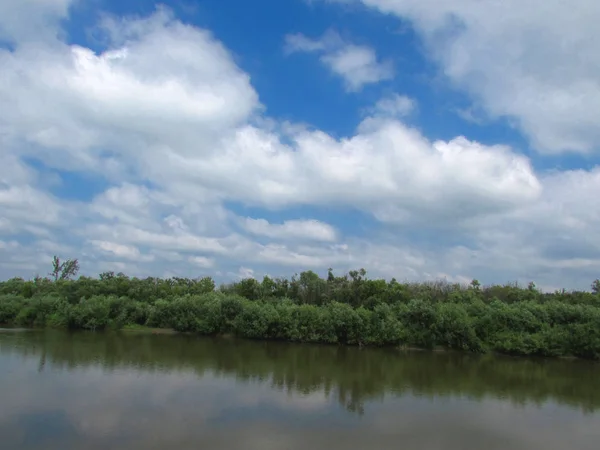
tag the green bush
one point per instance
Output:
(92, 313)
(184, 313)
(257, 321)
(10, 305)
(384, 327)
(453, 328)
(584, 339)
(210, 319)
(159, 314)
(313, 324)
(419, 319)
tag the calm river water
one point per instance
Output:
(137, 391)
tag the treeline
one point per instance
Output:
(353, 288)
(350, 309)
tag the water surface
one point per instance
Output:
(81, 390)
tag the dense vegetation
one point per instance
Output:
(349, 310)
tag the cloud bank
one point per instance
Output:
(176, 133)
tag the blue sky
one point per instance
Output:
(420, 140)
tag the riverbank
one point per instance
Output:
(143, 329)
(527, 328)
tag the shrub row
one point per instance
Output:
(552, 328)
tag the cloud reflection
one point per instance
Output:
(94, 392)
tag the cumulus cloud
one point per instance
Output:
(168, 120)
(536, 62)
(25, 208)
(121, 251)
(202, 261)
(395, 167)
(163, 81)
(394, 105)
(358, 65)
(302, 229)
(31, 20)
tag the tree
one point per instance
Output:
(104, 276)
(64, 270)
(330, 276)
(475, 284)
(596, 287)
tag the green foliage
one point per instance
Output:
(160, 314)
(312, 324)
(91, 314)
(199, 314)
(584, 339)
(384, 327)
(350, 325)
(64, 270)
(256, 321)
(348, 310)
(419, 319)
(453, 328)
(10, 305)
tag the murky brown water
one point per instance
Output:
(132, 391)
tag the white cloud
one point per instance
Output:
(128, 252)
(197, 157)
(245, 272)
(291, 229)
(201, 261)
(534, 62)
(10, 245)
(175, 240)
(189, 142)
(301, 43)
(31, 20)
(394, 165)
(395, 105)
(23, 203)
(155, 87)
(358, 65)
(25, 208)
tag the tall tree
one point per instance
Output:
(64, 270)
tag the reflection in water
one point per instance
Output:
(130, 391)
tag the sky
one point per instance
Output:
(452, 140)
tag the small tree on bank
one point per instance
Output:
(64, 270)
(596, 287)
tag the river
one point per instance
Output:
(129, 391)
